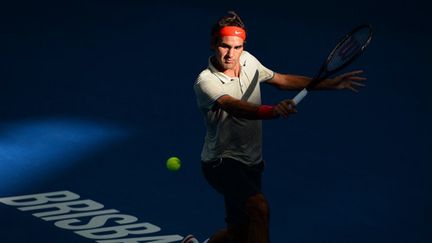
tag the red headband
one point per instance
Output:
(233, 31)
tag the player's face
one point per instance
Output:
(228, 52)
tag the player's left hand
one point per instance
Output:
(350, 80)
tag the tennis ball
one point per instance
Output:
(173, 163)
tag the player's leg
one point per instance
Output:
(221, 236)
(257, 209)
(240, 184)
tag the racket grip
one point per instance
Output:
(300, 96)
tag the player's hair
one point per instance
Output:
(231, 19)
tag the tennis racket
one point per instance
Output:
(344, 53)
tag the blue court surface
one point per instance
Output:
(96, 95)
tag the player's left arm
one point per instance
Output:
(289, 81)
(350, 80)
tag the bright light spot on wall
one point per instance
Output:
(32, 149)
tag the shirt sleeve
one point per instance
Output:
(264, 73)
(207, 92)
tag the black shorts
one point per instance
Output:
(236, 182)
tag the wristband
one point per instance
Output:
(265, 112)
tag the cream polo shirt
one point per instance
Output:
(228, 136)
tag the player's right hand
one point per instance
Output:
(285, 108)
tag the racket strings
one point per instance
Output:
(349, 48)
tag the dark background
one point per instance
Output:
(96, 95)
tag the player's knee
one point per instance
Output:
(257, 208)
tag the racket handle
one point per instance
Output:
(300, 96)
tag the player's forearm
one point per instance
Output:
(243, 109)
(326, 84)
(298, 82)
(289, 81)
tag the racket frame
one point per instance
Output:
(323, 73)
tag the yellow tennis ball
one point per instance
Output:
(173, 164)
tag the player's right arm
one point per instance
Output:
(243, 109)
(350, 80)
(211, 95)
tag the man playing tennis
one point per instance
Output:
(228, 94)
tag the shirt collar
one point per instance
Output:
(220, 75)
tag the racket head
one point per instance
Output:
(348, 49)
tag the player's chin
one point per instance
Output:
(229, 65)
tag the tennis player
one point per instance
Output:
(228, 94)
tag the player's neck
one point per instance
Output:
(231, 72)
